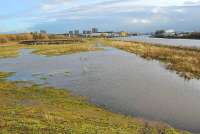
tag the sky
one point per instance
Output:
(58, 16)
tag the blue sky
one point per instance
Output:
(130, 15)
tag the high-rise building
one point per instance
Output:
(76, 32)
(88, 32)
(84, 32)
(94, 30)
(43, 32)
(71, 33)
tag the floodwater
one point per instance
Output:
(117, 80)
(163, 41)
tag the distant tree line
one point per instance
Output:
(186, 35)
(4, 38)
(159, 32)
(193, 35)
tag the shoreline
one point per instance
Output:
(184, 61)
(162, 41)
(59, 106)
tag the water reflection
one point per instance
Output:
(171, 42)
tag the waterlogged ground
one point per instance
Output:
(120, 81)
(35, 109)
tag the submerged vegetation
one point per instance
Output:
(27, 108)
(185, 61)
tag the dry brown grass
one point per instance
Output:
(9, 50)
(56, 50)
(10, 43)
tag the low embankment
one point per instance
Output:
(185, 61)
(53, 41)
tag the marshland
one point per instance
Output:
(185, 61)
(99, 67)
(99, 86)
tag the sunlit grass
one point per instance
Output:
(27, 108)
(4, 75)
(56, 50)
(185, 61)
(8, 51)
(38, 109)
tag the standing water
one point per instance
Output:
(120, 81)
(163, 41)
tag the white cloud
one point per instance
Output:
(158, 10)
(140, 21)
(141, 12)
(47, 7)
(54, 5)
(179, 10)
(192, 2)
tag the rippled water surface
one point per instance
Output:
(120, 81)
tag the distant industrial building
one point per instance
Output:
(169, 32)
(94, 30)
(87, 31)
(165, 33)
(71, 33)
(76, 32)
(123, 34)
(84, 32)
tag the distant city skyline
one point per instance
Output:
(59, 16)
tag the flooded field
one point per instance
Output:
(117, 80)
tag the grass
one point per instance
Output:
(37, 110)
(27, 108)
(12, 50)
(185, 61)
(57, 50)
(9, 43)
(4, 75)
(9, 51)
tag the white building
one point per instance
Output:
(170, 32)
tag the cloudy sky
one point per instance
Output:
(131, 15)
